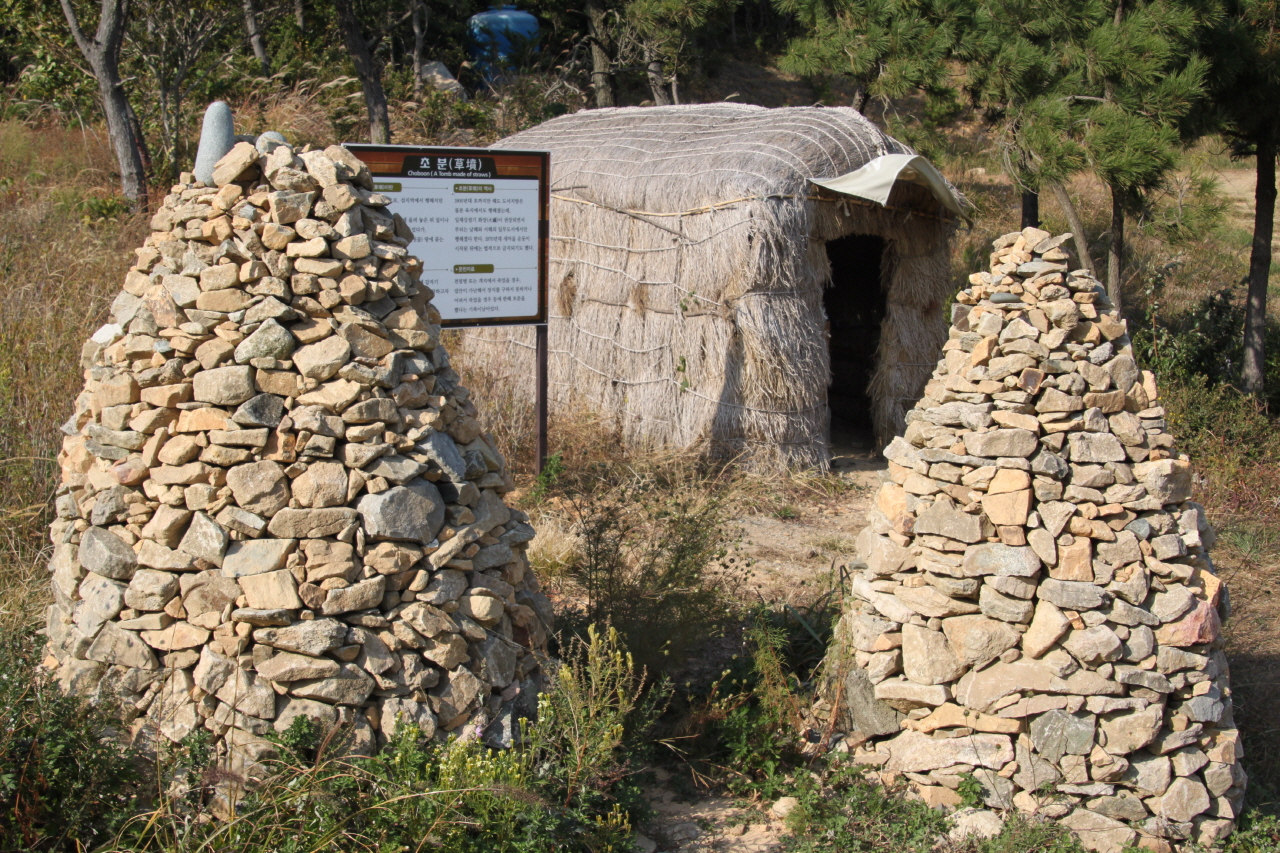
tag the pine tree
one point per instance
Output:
(888, 48)
(1016, 73)
(1246, 87)
(1141, 81)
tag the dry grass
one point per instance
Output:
(58, 272)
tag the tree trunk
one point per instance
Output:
(1255, 317)
(1030, 209)
(299, 16)
(1115, 252)
(256, 40)
(860, 99)
(369, 72)
(419, 17)
(102, 52)
(141, 139)
(602, 79)
(1063, 198)
(657, 80)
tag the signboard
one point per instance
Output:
(479, 219)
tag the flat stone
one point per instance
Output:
(1185, 798)
(1099, 833)
(1075, 561)
(263, 410)
(1095, 447)
(224, 386)
(205, 538)
(906, 696)
(941, 519)
(1011, 508)
(322, 360)
(262, 618)
(446, 651)
(289, 708)
(928, 602)
(256, 556)
(175, 637)
(1047, 627)
(861, 711)
(149, 589)
(443, 451)
(1201, 625)
(323, 484)
(993, 558)
(981, 690)
(1072, 595)
(951, 715)
(1002, 442)
(1093, 646)
(976, 640)
(1128, 732)
(1000, 606)
(121, 648)
(104, 553)
(361, 596)
(259, 487)
(914, 752)
(289, 666)
(311, 523)
(927, 657)
(271, 591)
(1058, 733)
(314, 638)
(408, 513)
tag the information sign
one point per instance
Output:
(479, 219)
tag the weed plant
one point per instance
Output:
(66, 781)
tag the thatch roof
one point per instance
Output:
(687, 265)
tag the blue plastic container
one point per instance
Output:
(492, 37)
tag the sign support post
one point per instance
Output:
(480, 221)
(540, 401)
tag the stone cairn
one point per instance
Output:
(1036, 605)
(276, 499)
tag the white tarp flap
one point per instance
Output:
(875, 180)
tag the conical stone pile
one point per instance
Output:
(276, 498)
(1037, 605)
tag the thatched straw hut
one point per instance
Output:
(708, 294)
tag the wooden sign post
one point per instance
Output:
(480, 219)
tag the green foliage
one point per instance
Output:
(599, 706)
(845, 811)
(645, 564)
(66, 783)
(547, 478)
(757, 717)
(971, 791)
(888, 48)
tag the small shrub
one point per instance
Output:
(598, 705)
(66, 782)
(646, 565)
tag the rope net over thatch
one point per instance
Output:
(687, 268)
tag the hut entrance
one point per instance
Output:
(855, 307)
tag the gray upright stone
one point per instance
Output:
(217, 135)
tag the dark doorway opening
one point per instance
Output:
(855, 305)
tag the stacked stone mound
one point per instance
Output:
(276, 498)
(1036, 604)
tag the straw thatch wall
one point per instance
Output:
(687, 266)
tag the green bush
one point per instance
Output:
(645, 565)
(66, 781)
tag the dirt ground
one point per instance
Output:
(791, 560)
